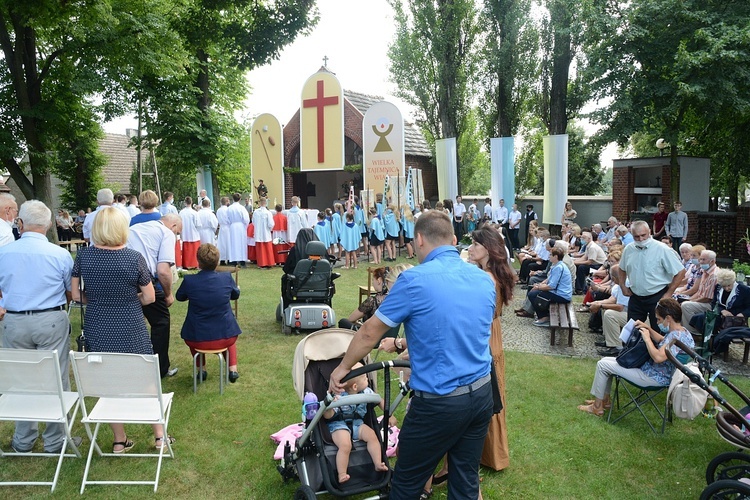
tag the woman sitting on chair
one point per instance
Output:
(209, 323)
(383, 279)
(656, 372)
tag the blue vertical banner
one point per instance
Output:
(203, 181)
(503, 170)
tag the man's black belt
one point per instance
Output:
(37, 311)
(458, 391)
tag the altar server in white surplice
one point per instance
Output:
(263, 222)
(208, 223)
(191, 238)
(238, 221)
(296, 220)
(222, 216)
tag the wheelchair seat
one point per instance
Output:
(312, 279)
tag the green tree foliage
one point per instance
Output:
(676, 69)
(509, 43)
(585, 174)
(431, 62)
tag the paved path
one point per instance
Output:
(519, 334)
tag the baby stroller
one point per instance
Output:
(728, 474)
(313, 459)
(305, 303)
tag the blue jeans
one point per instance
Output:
(433, 427)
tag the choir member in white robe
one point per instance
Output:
(263, 222)
(208, 223)
(296, 220)
(222, 217)
(190, 235)
(238, 221)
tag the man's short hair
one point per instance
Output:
(168, 195)
(558, 252)
(36, 213)
(208, 257)
(110, 228)
(148, 200)
(660, 204)
(640, 224)
(6, 200)
(622, 229)
(206, 203)
(172, 219)
(295, 200)
(278, 207)
(530, 206)
(121, 198)
(596, 226)
(710, 254)
(105, 197)
(225, 200)
(262, 201)
(188, 201)
(236, 196)
(133, 198)
(435, 227)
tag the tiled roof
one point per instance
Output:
(121, 161)
(414, 142)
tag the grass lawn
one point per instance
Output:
(223, 447)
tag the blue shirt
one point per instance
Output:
(628, 238)
(447, 307)
(36, 274)
(560, 281)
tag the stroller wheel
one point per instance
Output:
(304, 492)
(726, 489)
(278, 312)
(733, 465)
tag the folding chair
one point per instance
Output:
(129, 390)
(31, 388)
(640, 399)
(367, 291)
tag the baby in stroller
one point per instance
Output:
(346, 424)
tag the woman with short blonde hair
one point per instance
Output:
(110, 228)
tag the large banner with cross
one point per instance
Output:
(322, 123)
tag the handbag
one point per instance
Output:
(730, 321)
(635, 353)
(686, 397)
(541, 303)
(497, 402)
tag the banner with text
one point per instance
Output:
(322, 123)
(267, 158)
(382, 144)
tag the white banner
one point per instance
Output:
(382, 145)
(555, 177)
(447, 168)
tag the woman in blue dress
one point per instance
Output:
(360, 221)
(392, 228)
(337, 221)
(322, 230)
(350, 241)
(377, 236)
(408, 224)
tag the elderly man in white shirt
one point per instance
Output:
(8, 213)
(104, 198)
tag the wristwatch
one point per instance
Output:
(399, 346)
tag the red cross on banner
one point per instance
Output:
(322, 123)
(320, 102)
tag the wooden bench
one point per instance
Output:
(562, 316)
(77, 243)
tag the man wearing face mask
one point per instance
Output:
(654, 271)
(702, 292)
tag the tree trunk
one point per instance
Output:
(561, 58)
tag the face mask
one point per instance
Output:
(694, 261)
(642, 244)
(705, 266)
(663, 328)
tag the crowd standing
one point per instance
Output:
(457, 412)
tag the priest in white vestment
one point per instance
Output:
(222, 217)
(238, 221)
(208, 223)
(263, 222)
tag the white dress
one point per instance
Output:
(222, 217)
(238, 222)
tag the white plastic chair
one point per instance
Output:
(129, 390)
(31, 388)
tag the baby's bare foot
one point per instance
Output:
(343, 477)
(381, 467)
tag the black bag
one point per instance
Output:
(732, 321)
(635, 353)
(497, 402)
(541, 303)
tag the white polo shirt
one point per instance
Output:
(154, 241)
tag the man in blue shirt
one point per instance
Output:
(35, 288)
(446, 306)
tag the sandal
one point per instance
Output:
(592, 410)
(425, 494)
(524, 314)
(583, 309)
(606, 406)
(126, 445)
(163, 442)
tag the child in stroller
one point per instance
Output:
(346, 424)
